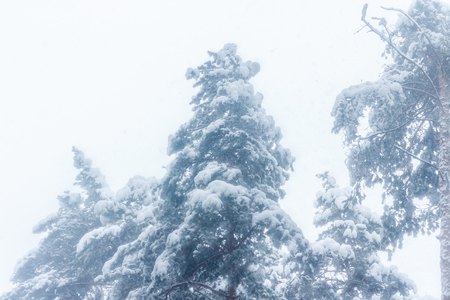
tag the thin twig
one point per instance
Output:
(404, 13)
(361, 29)
(400, 126)
(386, 131)
(414, 135)
(415, 82)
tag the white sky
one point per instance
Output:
(108, 77)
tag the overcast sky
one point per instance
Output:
(108, 77)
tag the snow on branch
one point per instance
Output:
(395, 47)
(416, 157)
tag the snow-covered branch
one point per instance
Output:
(395, 47)
(416, 157)
(197, 285)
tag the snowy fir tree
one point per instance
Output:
(220, 231)
(346, 254)
(52, 270)
(80, 237)
(124, 216)
(141, 200)
(404, 141)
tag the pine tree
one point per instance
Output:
(124, 216)
(346, 254)
(52, 270)
(119, 274)
(219, 231)
(405, 144)
(84, 233)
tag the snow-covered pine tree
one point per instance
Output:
(346, 253)
(220, 230)
(141, 201)
(125, 216)
(84, 233)
(52, 270)
(406, 143)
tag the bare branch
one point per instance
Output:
(424, 109)
(415, 82)
(411, 140)
(417, 25)
(416, 157)
(410, 119)
(415, 134)
(364, 10)
(421, 91)
(404, 13)
(361, 29)
(386, 131)
(447, 188)
(390, 43)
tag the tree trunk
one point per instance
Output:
(232, 282)
(444, 187)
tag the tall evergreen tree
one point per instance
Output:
(52, 270)
(84, 233)
(124, 217)
(220, 230)
(406, 144)
(141, 200)
(346, 254)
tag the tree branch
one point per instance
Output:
(416, 157)
(385, 131)
(198, 291)
(201, 285)
(404, 13)
(197, 285)
(390, 43)
(244, 238)
(414, 135)
(417, 25)
(221, 253)
(400, 126)
(420, 90)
